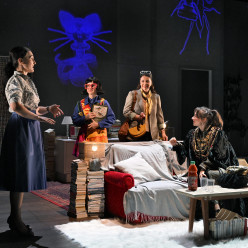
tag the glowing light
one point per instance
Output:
(94, 148)
(194, 12)
(79, 32)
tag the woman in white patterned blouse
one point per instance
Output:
(22, 163)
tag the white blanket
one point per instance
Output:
(152, 198)
(155, 200)
(153, 154)
(123, 150)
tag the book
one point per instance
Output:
(77, 215)
(96, 196)
(95, 193)
(100, 111)
(78, 189)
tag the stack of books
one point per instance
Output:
(77, 207)
(227, 224)
(114, 129)
(95, 193)
(49, 147)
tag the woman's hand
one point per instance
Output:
(164, 136)
(21, 110)
(202, 174)
(140, 117)
(173, 141)
(46, 119)
(93, 125)
(90, 116)
(55, 110)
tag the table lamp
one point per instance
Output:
(94, 163)
(67, 121)
(92, 152)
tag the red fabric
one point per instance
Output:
(141, 218)
(116, 184)
(80, 138)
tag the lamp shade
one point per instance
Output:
(67, 120)
(89, 150)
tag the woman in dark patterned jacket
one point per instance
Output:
(207, 145)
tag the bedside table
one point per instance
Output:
(63, 158)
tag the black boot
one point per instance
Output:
(14, 220)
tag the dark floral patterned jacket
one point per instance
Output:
(210, 149)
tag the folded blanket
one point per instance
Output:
(156, 199)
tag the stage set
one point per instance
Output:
(196, 52)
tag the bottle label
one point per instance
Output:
(192, 183)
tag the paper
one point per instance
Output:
(100, 111)
(49, 130)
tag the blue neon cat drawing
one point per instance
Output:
(81, 33)
(195, 12)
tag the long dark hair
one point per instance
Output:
(14, 55)
(213, 116)
(95, 80)
(152, 88)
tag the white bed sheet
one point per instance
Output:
(156, 198)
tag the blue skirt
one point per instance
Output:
(22, 161)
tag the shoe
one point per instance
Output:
(21, 231)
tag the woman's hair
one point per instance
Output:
(213, 116)
(95, 80)
(147, 74)
(14, 55)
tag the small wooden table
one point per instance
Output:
(218, 193)
(63, 159)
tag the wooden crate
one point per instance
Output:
(88, 150)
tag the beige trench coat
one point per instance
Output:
(156, 119)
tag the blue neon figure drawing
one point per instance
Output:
(80, 32)
(195, 12)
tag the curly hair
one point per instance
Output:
(213, 116)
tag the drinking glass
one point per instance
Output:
(211, 185)
(204, 183)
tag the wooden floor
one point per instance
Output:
(42, 216)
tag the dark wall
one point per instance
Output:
(27, 22)
(144, 37)
(236, 64)
(148, 38)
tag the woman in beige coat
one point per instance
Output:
(147, 109)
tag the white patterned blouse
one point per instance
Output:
(20, 88)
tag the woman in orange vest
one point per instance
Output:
(92, 128)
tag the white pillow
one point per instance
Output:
(138, 168)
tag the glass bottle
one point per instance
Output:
(192, 177)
